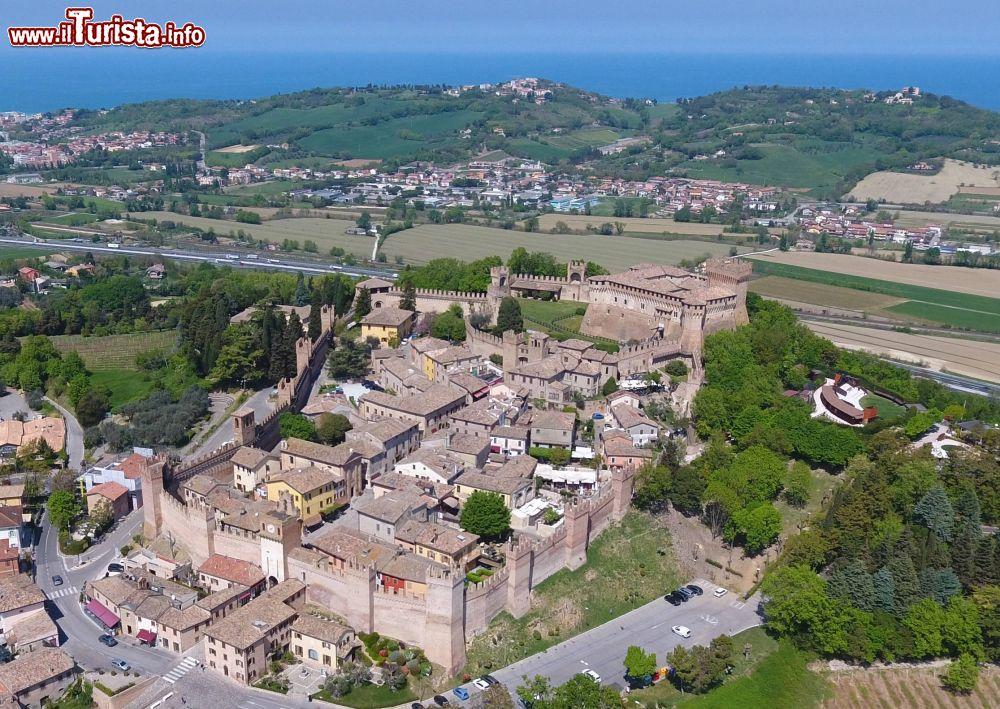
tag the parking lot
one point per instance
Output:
(602, 649)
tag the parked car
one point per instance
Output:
(480, 684)
(108, 640)
(673, 599)
(683, 593)
(115, 569)
(719, 592)
(441, 700)
(681, 630)
(696, 590)
(416, 705)
(121, 664)
(593, 675)
(57, 580)
(491, 680)
(461, 692)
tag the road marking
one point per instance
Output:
(182, 669)
(66, 591)
(737, 604)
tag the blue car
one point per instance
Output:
(461, 692)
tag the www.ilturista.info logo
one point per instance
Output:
(80, 30)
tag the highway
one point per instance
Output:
(244, 260)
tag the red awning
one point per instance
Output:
(146, 636)
(106, 617)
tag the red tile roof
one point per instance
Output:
(230, 569)
(110, 490)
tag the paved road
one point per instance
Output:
(13, 401)
(74, 437)
(213, 256)
(261, 406)
(602, 649)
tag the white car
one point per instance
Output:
(681, 630)
(481, 684)
(719, 592)
(593, 675)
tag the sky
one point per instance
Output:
(849, 27)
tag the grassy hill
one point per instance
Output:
(820, 140)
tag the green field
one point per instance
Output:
(949, 315)
(124, 384)
(371, 696)
(812, 164)
(560, 319)
(325, 232)
(887, 410)
(963, 310)
(396, 137)
(467, 243)
(115, 352)
(16, 252)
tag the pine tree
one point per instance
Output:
(963, 552)
(884, 591)
(301, 292)
(509, 316)
(967, 506)
(363, 303)
(409, 299)
(935, 512)
(905, 582)
(852, 582)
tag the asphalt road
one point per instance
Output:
(261, 263)
(74, 437)
(258, 401)
(602, 649)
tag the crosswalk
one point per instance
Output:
(182, 669)
(62, 592)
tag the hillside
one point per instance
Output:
(820, 140)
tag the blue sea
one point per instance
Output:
(47, 79)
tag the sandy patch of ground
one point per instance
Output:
(236, 149)
(8, 189)
(978, 281)
(980, 360)
(917, 189)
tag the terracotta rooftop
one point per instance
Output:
(387, 317)
(305, 480)
(34, 668)
(230, 569)
(252, 458)
(326, 630)
(19, 591)
(109, 490)
(492, 483)
(436, 536)
(340, 455)
(250, 624)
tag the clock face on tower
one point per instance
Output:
(270, 529)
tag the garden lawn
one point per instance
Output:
(781, 680)
(371, 696)
(887, 410)
(125, 385)
(628, 565)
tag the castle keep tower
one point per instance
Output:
(244, 430)
(151, 480)
(732, 273)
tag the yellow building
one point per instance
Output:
(388, 325)
(322, 643)
(307, 490)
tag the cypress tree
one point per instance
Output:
(905, 582)
(301, 292)
(363, 304)
(315, 316)
(409, 299)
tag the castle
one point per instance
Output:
(374, 586)
(645, 303)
